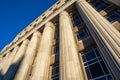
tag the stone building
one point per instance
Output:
(72, 40)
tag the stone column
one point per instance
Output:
(105, 35)
(9, 60)
(27, 62)
(1, 59)
(70, 66)
(116, 2)
(4, 61)
(16, 61)
(41, 65)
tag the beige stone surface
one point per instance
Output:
(103, 13)
(4, 61)
(29, 28)
(16, 61)
(24, 69)
(22, 33)
(105, 35)
(21, 51)
(70, 68)
(116, 25)
(86, 43)
(9, 59)
(42, 62)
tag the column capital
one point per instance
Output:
(64, 13)
(25, 42)
(49, 24)
(37, 33)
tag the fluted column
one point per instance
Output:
(16, 61)
(70, 67)
(116, 2)
(4, 61)
(27, 62)
(1, 59)
(105, 35)
(42, 62)
(9, 60)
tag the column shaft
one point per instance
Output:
(27, 62)
(42, 61)
(4, 61)
(9, 60)
(70, 66)
(16, 61)
(105, 35)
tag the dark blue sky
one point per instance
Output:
(15, 15)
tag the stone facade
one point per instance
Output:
(72, 40)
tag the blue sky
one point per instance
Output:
(15, 15)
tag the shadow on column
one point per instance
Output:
(1, 75)
(12, 70)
